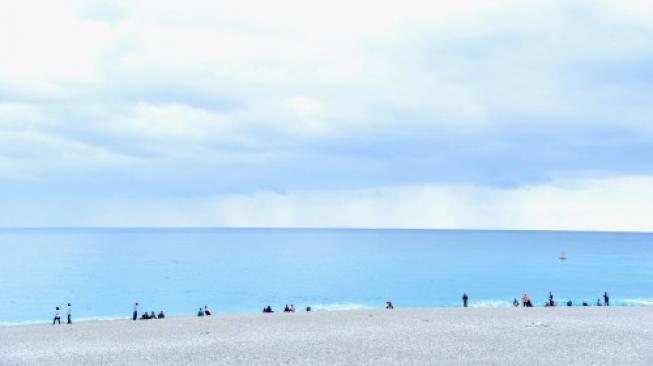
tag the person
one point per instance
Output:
(526, 301)
(569, 303)
(515, 303)
(152, 316)
(286, 309)
(200, 312)
(585, 303)
(268, 309)
(292, 308)
(206, 310)
(606, 298)
(145, 316)
(308, 308)
(598, 302)
(69, 312)
(161, 315)
(57, 316)
(551, 302)
(135, 315)
(465, 298)
(388, 305)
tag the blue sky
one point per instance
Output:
(425, 114)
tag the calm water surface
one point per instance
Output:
(104, 271)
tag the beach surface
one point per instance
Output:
(439, 336)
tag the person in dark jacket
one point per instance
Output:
(465, 298)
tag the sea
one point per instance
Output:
(103, 272)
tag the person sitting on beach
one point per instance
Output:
(585, 303)
(267, 309)
(388, 305)
(152, 316)
(569, 303)
(145, 316)
(206, 310)
(286, 309)
(200, 312)
(515, 303)
(308, 308)
(598, 302)
(161, 315)
(292, 308)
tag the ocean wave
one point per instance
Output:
(634, 302)
(490, 304)
(63, 320)
(340, 306)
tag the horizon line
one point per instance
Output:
(309, 228)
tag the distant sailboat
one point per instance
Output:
(563, 255)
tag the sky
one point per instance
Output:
(369, 114)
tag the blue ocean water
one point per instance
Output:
(104, 271)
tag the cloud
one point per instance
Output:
(168, 101)
(589, 204)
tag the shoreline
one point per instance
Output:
(417, 336)
(481, 304)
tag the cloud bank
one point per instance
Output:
(482, 114)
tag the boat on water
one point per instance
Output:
(563, 256)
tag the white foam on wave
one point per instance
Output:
(63, 320)
(490, 304)
(340, 306)
(634, 302)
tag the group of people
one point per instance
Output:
(57, 315)
(145, 315)
(286, 309)
(526, 301)
(204, 312)
(151, 315)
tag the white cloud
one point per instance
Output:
(367, 113)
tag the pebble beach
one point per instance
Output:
(430, 336)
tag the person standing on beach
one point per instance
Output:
(135, 315)
(57, 316)
(606, 298)
(465, 298)
(69, 312)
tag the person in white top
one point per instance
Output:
(69, 312)
(57, 316)
(135, 311)
(206, 310)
